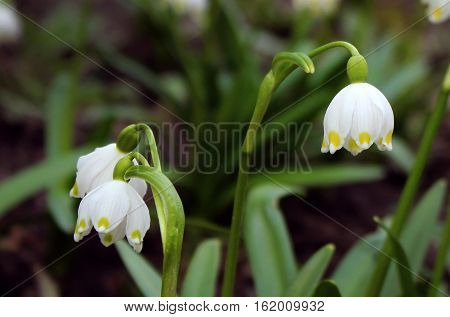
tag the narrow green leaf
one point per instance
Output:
(141, 74)
(355, 268)
(353, 278)
(439, 265)
(267, 241)
(403, 269)
(327, 288)
(59, 130)
(403, 80)
(329, 175)
(144, 275)
(418, 233)
(402, 156)
(310, 274)
(35, 178)
(201, 276)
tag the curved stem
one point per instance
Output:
(139, 157)
(283, 64)
(151, 143)
(175, 223)
(162, 216)
(262, 103)
(408, 194)
(352, 50)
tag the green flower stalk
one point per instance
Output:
(411, 187)
(174, 230)
(283, 64)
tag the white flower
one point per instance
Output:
(115, 210)
(437, 10)
(358, 116)
(9, 24)
(317, 7)
(96, 168)
(189, 6)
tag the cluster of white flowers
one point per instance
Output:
(10, 28)
(115, 208)
(437, 10)
(317, 7)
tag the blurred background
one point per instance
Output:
(74, 73)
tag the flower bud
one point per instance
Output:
(357, 69)
(128, 138)
(121, 168)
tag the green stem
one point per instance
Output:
(349, 47)
(175, 223)
(408, 194)
(235, 232)
(441, 258)
(160, 211)
(283, 64)
(138, 157)
(151, 143)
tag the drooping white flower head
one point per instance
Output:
(10, 28)
(358, 116)
(115, 210)
(437, 10)
(317, 7)
(96, 168)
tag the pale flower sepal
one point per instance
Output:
(96, 168)
(358, 116)
(115, 209)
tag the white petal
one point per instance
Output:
(107, 205)
(115, 235)
(138, 220)
(96, 168)
(338, 119)
(10, 27)
(352, 147)
(367, 118)
(139, 185)
(384, 138)
(84, 224)
(438, 11)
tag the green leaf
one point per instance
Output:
(267, 241)
(439, 263)
(59, 130)
(402, 156)
(143, 75)
(201, 276)
(329, 175)
(417, 234)
(403, 80)
(327, 288)
(403, 269)
(144, 275)
(310, 274)
(35, 178)
(357, 265)
(61, 208)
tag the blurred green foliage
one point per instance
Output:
(83, 75)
